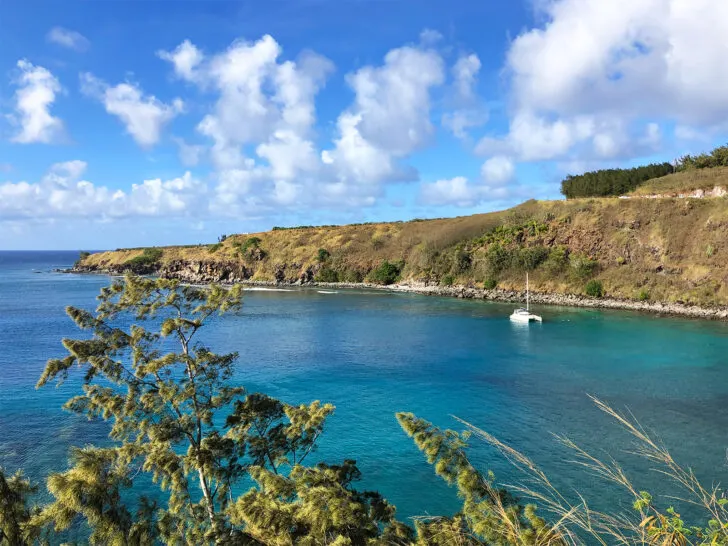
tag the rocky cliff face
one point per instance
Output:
(203, 272)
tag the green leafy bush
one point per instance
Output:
(557, 260)
(146, 262)
(81, 257)
(582, 266)
(528, 259)
(326, 274)
(448, 280)
(250, 248)
(386, 273)
(462, 260)
(250, 242)
(351, 275)
(214, 248)
(323, 255)
(490, 284)
(594, 289)
(643, 295)
(498, 258)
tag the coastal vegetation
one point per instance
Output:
(612, 182)
(630, 245)
(616, 182)
(233, 467)
(144, 262)
(716, 158)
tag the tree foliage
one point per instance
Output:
(612, 182)
(716, 158)
(175, 417)
(489, 514)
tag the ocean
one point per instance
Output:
(373, 353)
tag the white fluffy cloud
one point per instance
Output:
(389, 119)
(144, 116)
(63, 193)
(460, 192)
(262, 125)
(185, 58)
(598, 74)
(247, 112)
(469, 113)
(498, 170)
(497, 173)
(37, 90)
(68, 38)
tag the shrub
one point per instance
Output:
(621, 260)
(558, 260)
(377, 242)
(643, 295)
(582, 266)
(146, 262)
(326, 274)
(323, 255)
(250, 242)
(709, 251)
(448, 280)
(351, 275)
(528, 259)
(594, 289)
(386, 273)
(490, 284)
(214, 248)
(250, 248)
(81, 257)
(461, 260)
(498, 258)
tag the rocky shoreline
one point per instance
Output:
(463, 292)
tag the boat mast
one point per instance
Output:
(527, 292)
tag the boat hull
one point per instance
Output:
(523, 318)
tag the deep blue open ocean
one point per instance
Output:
(374, 353)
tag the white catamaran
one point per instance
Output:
(525, 315)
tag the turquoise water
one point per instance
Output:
(375, 353)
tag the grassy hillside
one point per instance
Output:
(672, 250)
(685, 181)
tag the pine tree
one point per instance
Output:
(489, 515)
(175, 417)
(16, 511)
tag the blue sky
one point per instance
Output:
(129, 123)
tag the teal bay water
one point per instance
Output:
(374, 353)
